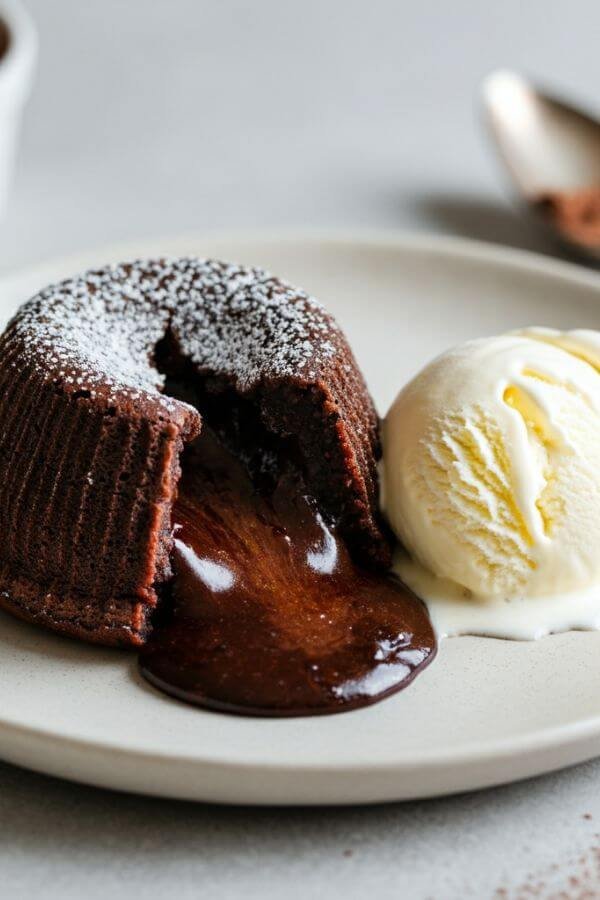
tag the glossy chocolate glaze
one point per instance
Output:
(270, 616)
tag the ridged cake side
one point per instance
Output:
(86, 491)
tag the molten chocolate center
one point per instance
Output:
(270, 616)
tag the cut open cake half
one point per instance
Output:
(94, 376)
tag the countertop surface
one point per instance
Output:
(152, 119)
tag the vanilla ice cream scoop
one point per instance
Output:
(491, 466)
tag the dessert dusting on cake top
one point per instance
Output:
(102, 326)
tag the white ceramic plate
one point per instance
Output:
(485, 712)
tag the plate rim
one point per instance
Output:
(543, 739)
(442, 244)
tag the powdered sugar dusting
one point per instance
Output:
(249, 324)
(98, 332)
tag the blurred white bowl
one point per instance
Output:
(17, 65)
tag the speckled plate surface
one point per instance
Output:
(485, 712)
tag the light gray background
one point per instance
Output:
(154, 117)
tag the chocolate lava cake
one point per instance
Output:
(96, 375)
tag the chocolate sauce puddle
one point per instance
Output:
(270, 616)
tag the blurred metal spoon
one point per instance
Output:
(551, 150)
